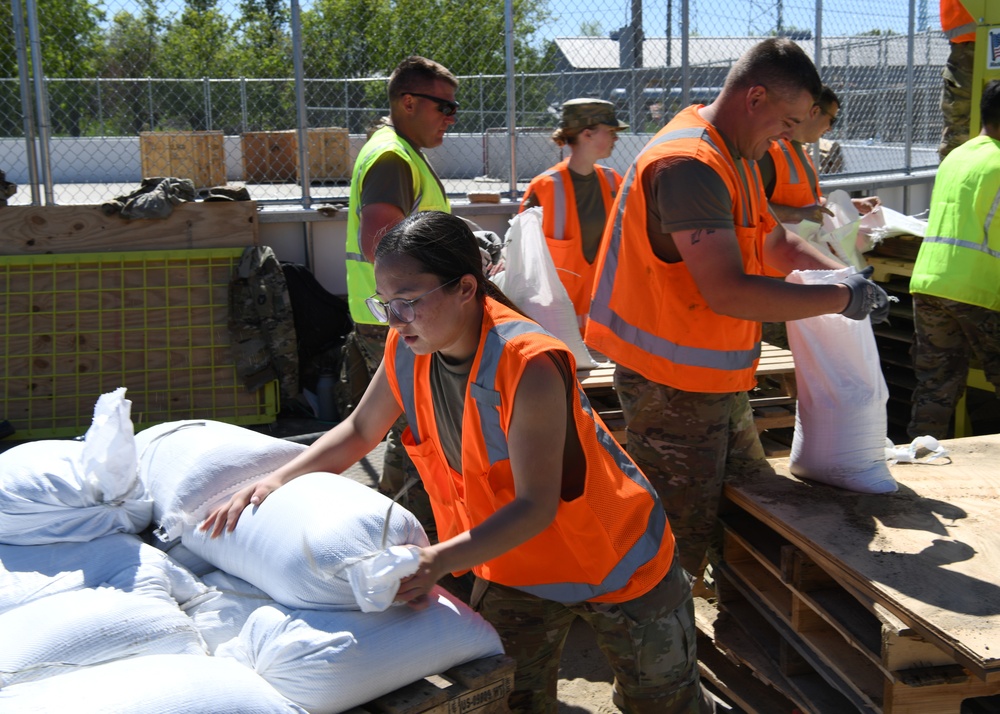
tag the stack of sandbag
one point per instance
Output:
(95, 618)
(91, 617)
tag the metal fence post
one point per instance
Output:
(508, 15)
(42, 102)
(26, 112)
(243, 105)
(818, 61)
(300, 104)
(207, 94)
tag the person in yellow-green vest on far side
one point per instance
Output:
(576, 195)
(956, 278)
(391, 180)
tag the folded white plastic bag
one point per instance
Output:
(299, 545)
(375, 581)
(531, 281)
(56, 491)
(840, 415)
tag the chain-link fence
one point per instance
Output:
(94, 96)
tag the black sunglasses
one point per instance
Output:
(445, 106)
(832, 117)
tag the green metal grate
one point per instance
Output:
(76, 326)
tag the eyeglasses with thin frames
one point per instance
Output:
(400, 307)
(445, 106)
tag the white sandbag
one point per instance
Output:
(123, 561)
(65, 490)
(324, 660)
(840, 415)
(221, 613)
(191, 466)
(80, 628)
(530, 279)
(155, 684)
(300, 543)
(883, 222)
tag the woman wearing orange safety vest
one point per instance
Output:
(529, 489)
(576, 195)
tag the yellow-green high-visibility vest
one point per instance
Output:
(959, 258)
(428, 196)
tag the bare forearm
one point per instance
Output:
(765, 299)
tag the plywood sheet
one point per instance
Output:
(930, 553)
(35, 230)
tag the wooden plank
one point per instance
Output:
(928, 553)
(481, 686)
(32, 230)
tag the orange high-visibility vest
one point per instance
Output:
(956, 22)
(561, 225)
(648, 315)
(792, 186)
(610, 544)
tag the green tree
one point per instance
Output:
(132, 54)
(590, 28)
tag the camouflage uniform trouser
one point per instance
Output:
(363, 350)
(686, 443)
(947, 333)
(956, 96)
(649, 642)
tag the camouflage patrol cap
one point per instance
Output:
(581, 113)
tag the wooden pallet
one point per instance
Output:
(885, 268)
(481, 686)
(831, 616)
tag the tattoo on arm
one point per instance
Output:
(696, 236)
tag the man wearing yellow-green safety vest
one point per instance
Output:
(956, 277)
(391, 180)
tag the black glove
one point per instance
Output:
(867, 298)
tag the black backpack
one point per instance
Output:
(322, 322)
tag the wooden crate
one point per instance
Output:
(196, 155)
(481, 686)
(274, 155)
(329, 154)
(270, 155)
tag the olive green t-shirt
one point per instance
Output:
(389, 180)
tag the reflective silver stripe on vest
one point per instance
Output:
(600, 308)
(983, 247)
(357, 256)
(559, 211)
(405, 380)
(960, 30)
(741, 169)
(794, 178)
(609, 176)
(484, 387)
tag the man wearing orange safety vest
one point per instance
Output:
(956, 94)
(680, 293)
(791, 181)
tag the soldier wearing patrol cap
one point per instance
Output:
(576, 195)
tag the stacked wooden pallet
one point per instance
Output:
(869, 603)
(773, 401)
